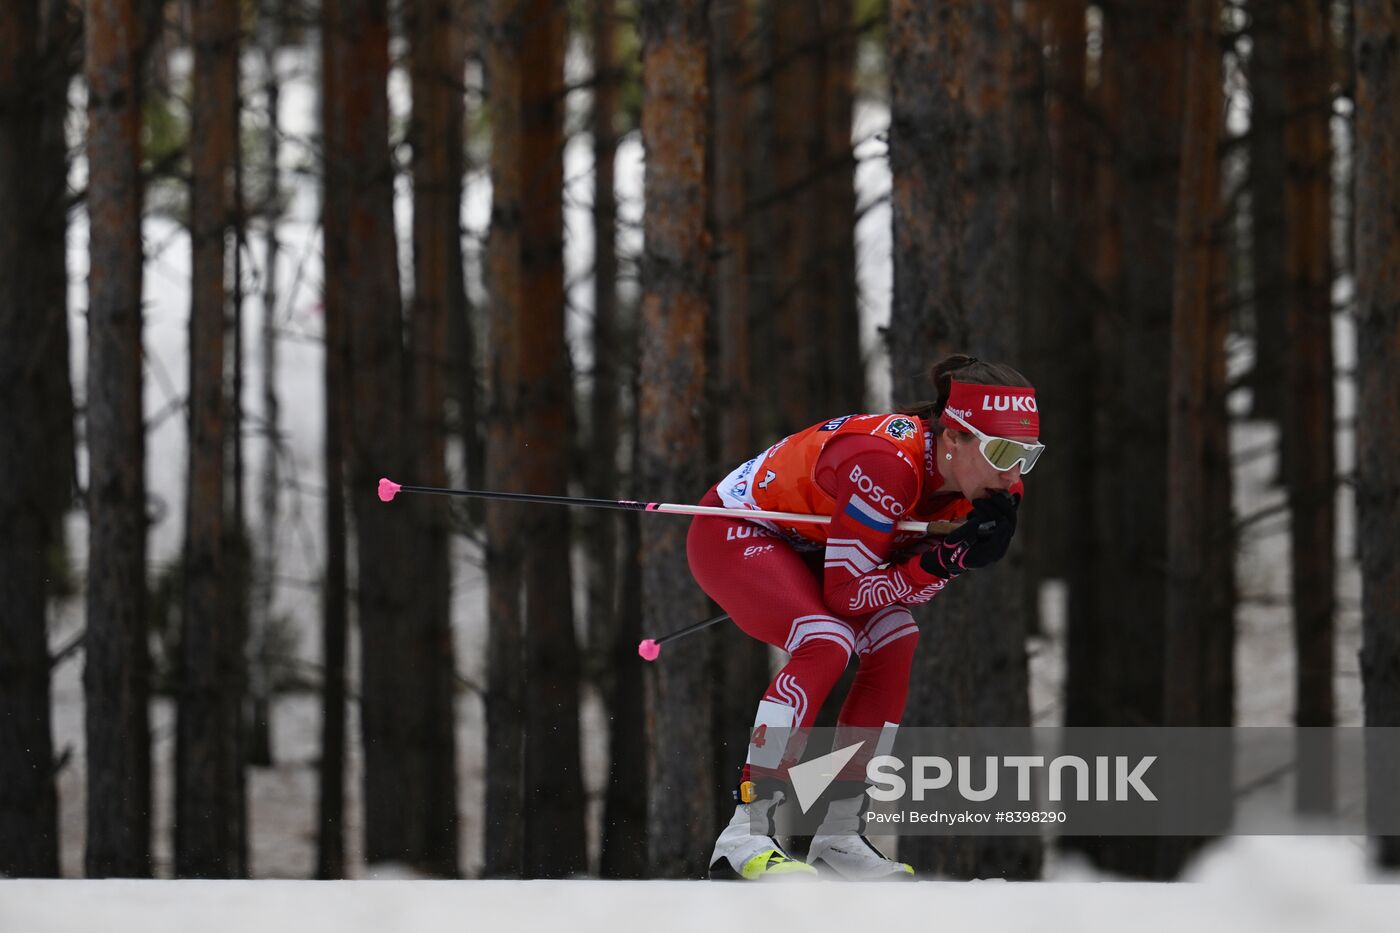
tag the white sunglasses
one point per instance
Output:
(1003, 453)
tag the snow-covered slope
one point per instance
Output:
(1227, 901)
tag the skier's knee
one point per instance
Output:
(823, 637)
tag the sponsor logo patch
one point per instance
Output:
(901, 429)
(740, 532)
(835, 423)
(876, 494)
(1008, 403)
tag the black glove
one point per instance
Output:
(981, 540)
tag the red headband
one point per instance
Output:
(1002, 411)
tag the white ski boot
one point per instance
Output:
(840, 849)
(741, 854)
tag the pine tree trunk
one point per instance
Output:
(335, 217)
(604, 411)
(391, 702)
(330, 851)
(270, 31)
(1218, 648)
(741, 663)
(1149, 60)
(1194, 548)
(554, 819)
(954, 241)
(1188, 552)
(390, 699)
(671, 428)
(1070, 478)
(463, 326)
(625, 809)
(1040, 319)
(238, 546)
(760, 222)
(29, 844)
(794, 78)
(730, 109)
(1096, 361)
(841, 377)
(505, 698)
(614, 623)
(1147, 56)
(624, 849)
(1378, 388)
(436, 137)
(60, 36)
(117, 669)
(1267, 118)
(209, 713)
(798, 306)
(1308, 382)
(1090, 705)
(335, 625)
(1092, 605)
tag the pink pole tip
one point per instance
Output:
(388, 489)
(649, 649)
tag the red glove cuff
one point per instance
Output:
(915, 573)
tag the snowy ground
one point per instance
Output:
(1280, 887)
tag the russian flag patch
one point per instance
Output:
(868, 515)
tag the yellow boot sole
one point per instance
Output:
(774, 864)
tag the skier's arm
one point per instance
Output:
(873, 487)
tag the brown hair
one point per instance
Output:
(967, 369)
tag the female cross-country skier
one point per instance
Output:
(825, 592)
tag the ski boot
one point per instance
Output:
(840, 849)
(742, 855)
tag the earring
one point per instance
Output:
(948, 456)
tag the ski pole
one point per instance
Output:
(388, 489)
(650, 648)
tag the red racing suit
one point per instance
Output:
(868, 472)
(823, 593)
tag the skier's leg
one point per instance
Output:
(870, 714)
(746, 847)
(773, 594)
(884, 647)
